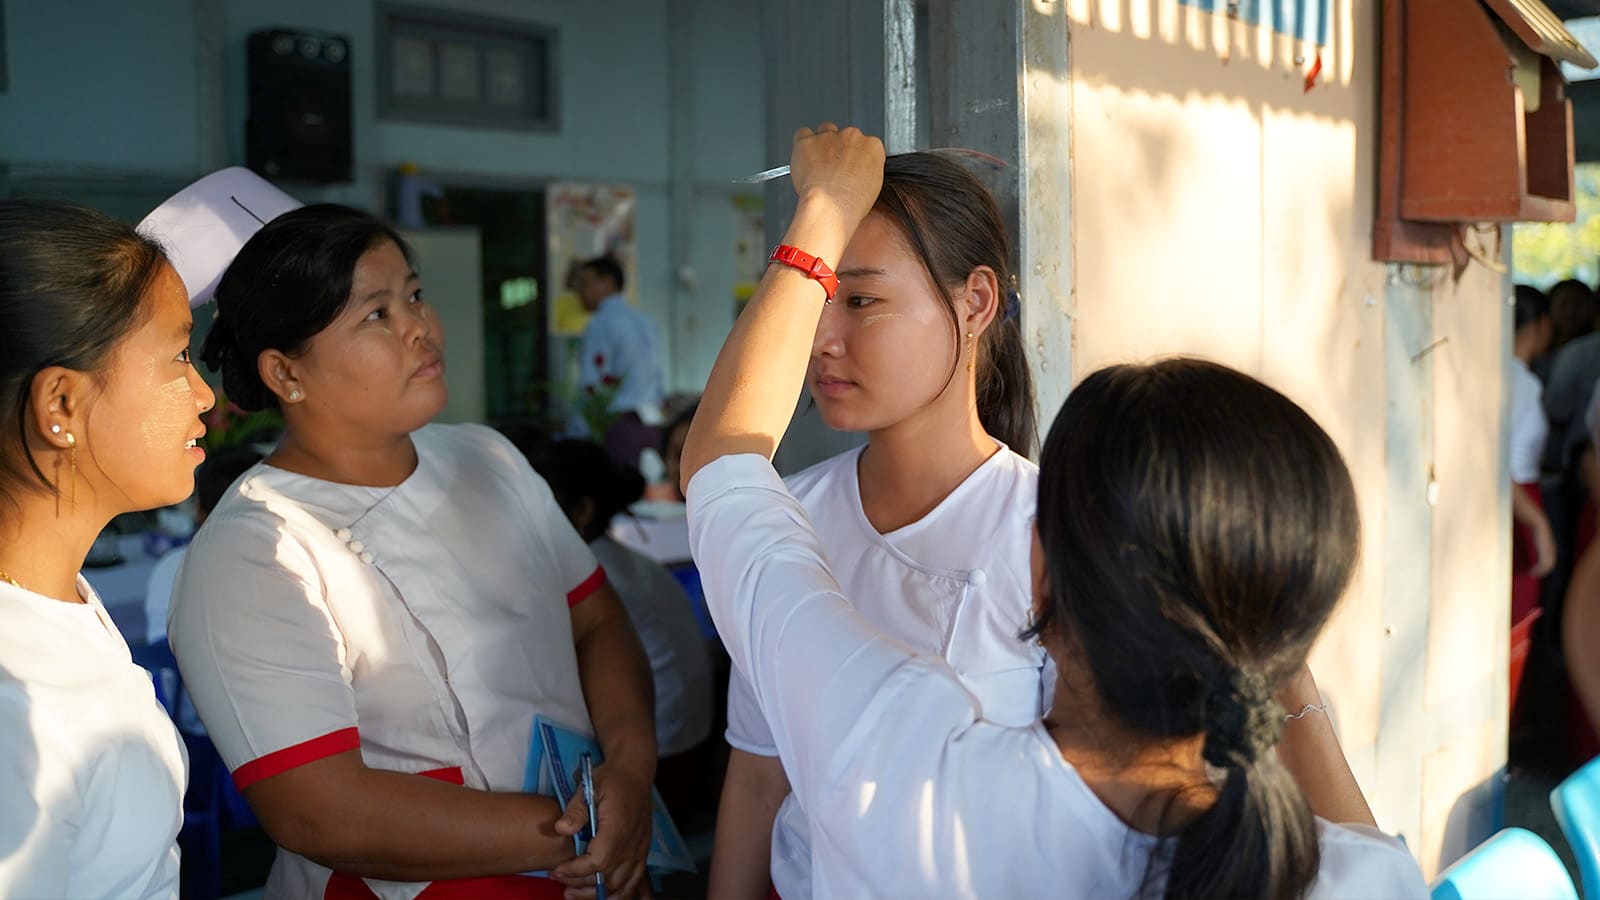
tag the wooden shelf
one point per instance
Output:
(1460, 141)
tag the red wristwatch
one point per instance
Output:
(812, 266)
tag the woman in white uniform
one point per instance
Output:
(371, 620)
(101, 410)
(1170, 537)
(926, 526)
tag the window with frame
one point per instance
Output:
(452, 69)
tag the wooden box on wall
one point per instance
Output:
(1475, 122)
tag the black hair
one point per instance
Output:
(218, 473)
(1573, 310)
(606, 267)
(1531, 306)
(681, 420)
(953, 224)
(578, 470)
(289, 282)
(72, 286)
(1198, 529)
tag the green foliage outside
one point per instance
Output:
(1543, 253)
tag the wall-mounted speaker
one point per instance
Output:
(298, 125)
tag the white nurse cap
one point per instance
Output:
(204, 225)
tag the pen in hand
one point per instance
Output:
(586, 776)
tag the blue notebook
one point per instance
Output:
(552, 770)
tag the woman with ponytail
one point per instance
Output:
(926, 526)
(1195, 530)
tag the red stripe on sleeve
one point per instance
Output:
(279, 761)
(451, 775)
(588, 586)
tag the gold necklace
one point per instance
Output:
(7, 578)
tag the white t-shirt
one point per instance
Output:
(425, 624)
(1529, 427)
(91, 770)
(912, 793)
(663, 615)
(954, 584)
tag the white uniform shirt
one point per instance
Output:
(425, 624)
(91, 770)
(663, 615)
(911, 792)
(621, 342)
(954, 584)
(1529, 427)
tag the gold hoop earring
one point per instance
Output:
(972, 352)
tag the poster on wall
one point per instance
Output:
(582, 221)
(585, 221)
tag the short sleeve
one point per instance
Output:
(1361, 861)
(747, 727)
(258, 648)
(34, 842)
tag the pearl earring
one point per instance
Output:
(294, 396)
(55, 429)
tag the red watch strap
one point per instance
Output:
(812, 266)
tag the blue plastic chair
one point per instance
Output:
(201, 836)
(1576, 802)
(1515, 864)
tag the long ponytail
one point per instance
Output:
(1198, 529)
(1006, 404)
(1258, 839)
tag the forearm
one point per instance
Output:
(399, 827)
(741, 858)
(1526, 511)
(620, 693)
(1310, 751)
(750, 395)
(1580, 632)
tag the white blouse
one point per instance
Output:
(425, 624)
(1529, 427)
(953, 584)
(910, 791)
(91, 770)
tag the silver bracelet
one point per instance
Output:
(1309, 708)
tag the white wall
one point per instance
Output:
(104, 85)
(1221, 209)
(104, 92)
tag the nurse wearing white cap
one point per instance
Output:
(370, 621)
(101, 409)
